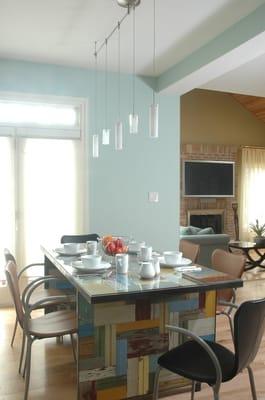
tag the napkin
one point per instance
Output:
(188, 268)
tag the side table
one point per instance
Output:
(247, 248)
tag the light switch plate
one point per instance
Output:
(153, 197)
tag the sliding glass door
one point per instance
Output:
(41, 191)
(7, 199)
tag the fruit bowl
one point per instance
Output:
(113, 245)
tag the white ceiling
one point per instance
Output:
(248, 79)
(64, 31)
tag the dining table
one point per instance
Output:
(122, 322)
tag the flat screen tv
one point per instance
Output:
(203, 178)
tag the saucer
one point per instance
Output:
(81, 267)
(183, 262)
(62, 252)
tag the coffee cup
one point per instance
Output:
(146, 253)
(71, 247)
(172, 257)
(122, 263)
(91, 260)
(91, 247)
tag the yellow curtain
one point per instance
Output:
(252, 193)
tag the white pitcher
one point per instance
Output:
(147, 270)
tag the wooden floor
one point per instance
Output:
(53, 372)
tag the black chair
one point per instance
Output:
(79, 238)
(204, 361)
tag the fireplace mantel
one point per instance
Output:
(205, 211)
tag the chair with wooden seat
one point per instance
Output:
(54, 324)
(189, 250)
(209, 362)
(79, 238)
(50, 294)
(231, 264)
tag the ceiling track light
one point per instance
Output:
(118, 125)
(106, 130)
(153, 109)
(95, 138)
(133, 117)
(128, 3)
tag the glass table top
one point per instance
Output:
(108, 283)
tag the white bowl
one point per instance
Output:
(71, 247)
(91, 260)
(172, 257)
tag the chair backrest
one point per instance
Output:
(79, 238)
(12, 281)
(189, 250)
(8, 256)
(249, 325)
(229, 263)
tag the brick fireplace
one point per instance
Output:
(215, 212)
(213, 218)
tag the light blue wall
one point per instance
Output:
(118, 181)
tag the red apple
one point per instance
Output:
(111, 247)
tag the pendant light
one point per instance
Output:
(153, 109)
(106, 131)
(95, 137)
(118, 125)
(133, 118)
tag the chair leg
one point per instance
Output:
(28, 366)
(252, 383)
(156, 383)
(22, 352)
(193, 384)
(14, 333)
(231, 325)
(215, 395)
(228, 315)
(73, 346)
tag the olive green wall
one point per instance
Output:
(217, 118)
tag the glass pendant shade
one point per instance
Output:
(133, 123)
(95, 146)
(105, 136)
(153, 121)
(118, 136)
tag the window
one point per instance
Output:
(252, 190)
(41, 172)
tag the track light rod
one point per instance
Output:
(126, 4)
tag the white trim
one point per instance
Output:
(7, 131)
(36, 130)
(49, 133)
(52, 99)
(84, 123)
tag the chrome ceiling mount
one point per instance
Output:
(128, 3)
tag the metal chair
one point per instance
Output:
(79, 238)
(209, 362)
(231, 264)
(50, 294)
(50, 325)
(189, 250)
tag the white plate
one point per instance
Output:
(81, 267)
(184, 261)
(64, 252)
